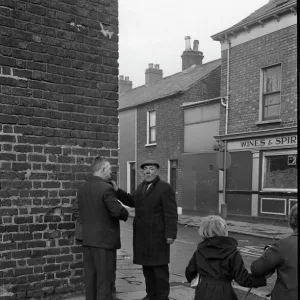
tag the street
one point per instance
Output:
(186, 243)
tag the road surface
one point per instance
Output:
(185, 245)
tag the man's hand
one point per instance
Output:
(115, 187)
(170, 241)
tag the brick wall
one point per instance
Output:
(246, 61)
(170, 126)
(58, 109)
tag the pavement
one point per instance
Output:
(130, 284)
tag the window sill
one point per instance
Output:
(150, 145)
(268, 122)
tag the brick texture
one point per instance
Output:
(170, 126)
(246, 61)
(58, 109)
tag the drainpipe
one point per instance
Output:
(225, 104)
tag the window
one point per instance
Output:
(151, 128)
(280, 171)
(271, 98)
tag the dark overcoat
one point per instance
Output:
(218, 262)
(155, 220)
(99, 212)
(283, 258)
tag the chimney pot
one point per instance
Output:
(187, 43)
(150, 66)
(124, 85)
(191, 57)
(156, 66)
(196, 45)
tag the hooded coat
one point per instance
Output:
(283, 258)
(218, 262)
(155, 220)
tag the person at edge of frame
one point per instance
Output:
(97, 212)
(217, 262)
(282, 257)
(154, 228)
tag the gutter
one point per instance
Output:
(199, 103)
(241, 27)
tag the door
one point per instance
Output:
(201, 182)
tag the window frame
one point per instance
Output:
(262, 94)
(149, 142)
(273, 153)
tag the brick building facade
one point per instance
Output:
(259, 81)
(163, 97)
(169, 144)
(58, 109)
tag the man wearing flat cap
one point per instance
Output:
(154, 228)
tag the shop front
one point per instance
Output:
(262, 178)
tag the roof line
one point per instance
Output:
(241, 26)
(153, 100)
(188, 87)
(144, 85)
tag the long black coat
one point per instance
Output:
(99, 212)
(218, 262)
(283, 257)
(155, 220)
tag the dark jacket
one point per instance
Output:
(99, 213)
(283, 257)
(155, 220)
(218, 262)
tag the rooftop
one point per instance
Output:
(167, 86)
(270, 9)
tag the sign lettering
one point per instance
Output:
(279, 141)
(286, 140)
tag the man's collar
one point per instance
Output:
(99, 178)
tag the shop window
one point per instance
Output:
(270, 96)
(151, 127)
(280, 171)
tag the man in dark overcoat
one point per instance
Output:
(154, 228)
(100, 212)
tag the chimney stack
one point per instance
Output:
(124, 84)
(191, 57)
(153, 74)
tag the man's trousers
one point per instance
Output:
(99, 265)
(157, 282)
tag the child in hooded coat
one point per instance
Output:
(218, 262)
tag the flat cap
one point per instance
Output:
(150, 162)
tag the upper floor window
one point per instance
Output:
(151, 127)
(271, 93)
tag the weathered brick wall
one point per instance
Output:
(58, 109)
(246, 61)
(170, 126)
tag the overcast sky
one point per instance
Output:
(153, 31)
